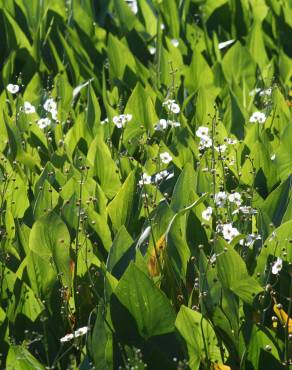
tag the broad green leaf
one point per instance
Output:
(50, 240)
(146, 303)
(233, 275)
(20, 358)
(123, 207)
(199, 337)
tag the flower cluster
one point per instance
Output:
(156, 179)
(205, 140)
(258, 117)
(77, 333)
(163, 124)
(13, 89)
(28, 108)
(172, 106)
(50, 106)
(121, 120)
(165, 157)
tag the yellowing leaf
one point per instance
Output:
(283, 317)
(216, 366)
(153, 263)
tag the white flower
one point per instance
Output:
(161, 125)
(145, 180)
(207, 213)
(221, 148)
(13, 89)
(43, 122)
(152, 50)
(229, 232)
(172, 106)
(267, 92)
(273, 156)
(104, 121)
(235, 198)
(81, 331)
(205, 142)
(202, 132)
(220, 198)
(165, 157)
(50, 105)
(277, 266)
(163, 175)
(133, 5)
(223, 44)
(121, 120)
(245, 210)
(162, 26)
(251, 238)
(230, 141)
(258, 117)
(28, 108)
(67, 338)
(175, 42)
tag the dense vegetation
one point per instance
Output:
(145, 184)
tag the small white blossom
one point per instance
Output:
(50, 105)
(161, 125)
(67, 338)
(43, 122)
(104, 121)
(133, 5)
(175, 42)
(152, 50)
(235, 198)
(28, 108)
(273, 157)
(162, 175)
(202, 132)
(172, 106)
(230, 141)
(220, 198)
(121, 120)
(205, 142)
(145, 180)
(266, 92)
(207, 213)
(13, 89)
(221, 148)
(165, 157)
(251, 238)
(81, 331)
(247, 210)
(277, 266)
(229, 232)
(258, 117)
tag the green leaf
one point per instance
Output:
(199, 337)
(146, 303)
(104, 167)
(233, 274)
(50, 240)
(122, 208)
(183, 195)
(20, 358)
